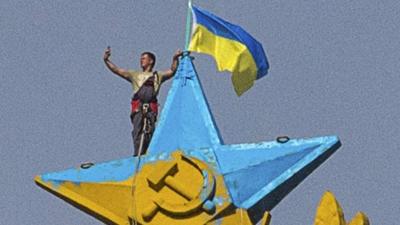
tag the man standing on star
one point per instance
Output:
(146, 85)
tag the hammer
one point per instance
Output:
(163, 175)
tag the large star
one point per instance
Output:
(255, 177)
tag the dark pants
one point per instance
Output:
(137, 119)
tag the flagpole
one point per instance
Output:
(188, 25)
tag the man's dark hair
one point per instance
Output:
(152, 56)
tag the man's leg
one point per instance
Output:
(151, 123)
(137, 123)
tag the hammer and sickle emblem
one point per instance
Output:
(197, 199)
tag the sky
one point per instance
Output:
(334, 71)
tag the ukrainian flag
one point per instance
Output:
(232, 47)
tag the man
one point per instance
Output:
(145, 85)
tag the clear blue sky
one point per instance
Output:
(334, 71)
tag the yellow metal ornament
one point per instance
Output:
(182, 189)
(329, 212)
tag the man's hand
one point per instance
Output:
(177, 54)
(175, 60)
(107, 53)
(115, 69)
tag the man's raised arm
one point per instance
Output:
(175, 60)
(115, 69)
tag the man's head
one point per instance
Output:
(147, 60)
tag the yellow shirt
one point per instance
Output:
(138, 78)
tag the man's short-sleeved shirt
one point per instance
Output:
(138, 78)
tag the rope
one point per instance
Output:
(145, 130)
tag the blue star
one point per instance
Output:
(258, 176)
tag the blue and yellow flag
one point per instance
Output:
(232, 47)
